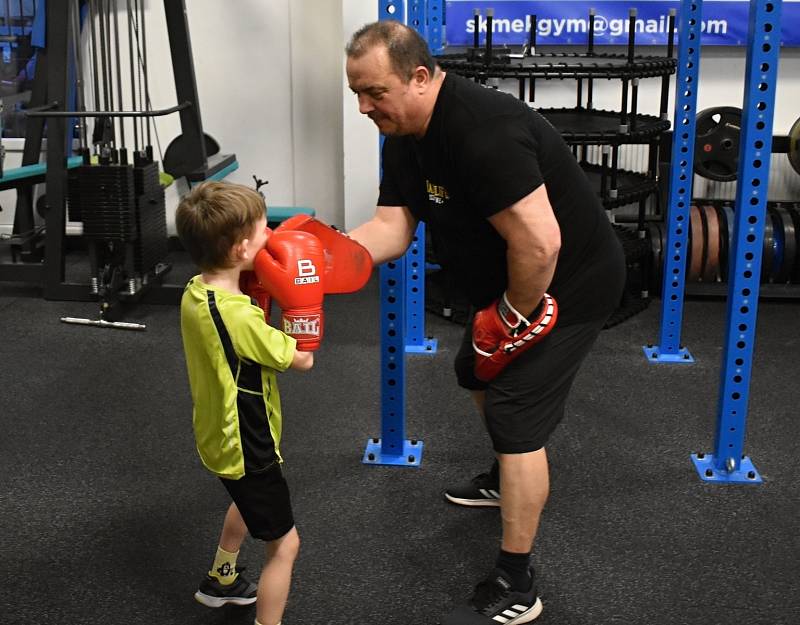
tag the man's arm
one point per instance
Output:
(388, 234)
(534, 240)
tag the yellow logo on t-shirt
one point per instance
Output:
(436, 193)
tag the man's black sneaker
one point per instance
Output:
(495, 603)
(215, 595)
(482, 490)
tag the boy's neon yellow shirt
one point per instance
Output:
(232, 357)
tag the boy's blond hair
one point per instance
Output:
(215, 216)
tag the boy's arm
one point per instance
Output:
(302, 361)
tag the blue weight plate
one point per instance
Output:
(767, 250)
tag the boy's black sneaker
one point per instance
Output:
(215, 595)
(495, 603)
(482, 490)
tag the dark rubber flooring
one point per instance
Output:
(108, 518)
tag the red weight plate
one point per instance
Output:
(696, 245)
(711, 267)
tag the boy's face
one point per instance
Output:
(256, 241)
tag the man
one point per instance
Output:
(521, 231)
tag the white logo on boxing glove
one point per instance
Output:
(306, 272)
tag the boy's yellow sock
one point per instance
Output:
(224, 567)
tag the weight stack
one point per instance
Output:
(74, 195)
(107, 202)
(151, 218)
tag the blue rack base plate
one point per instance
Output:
(411, 456)
(654, 355)
(428, 347)
(708, 471)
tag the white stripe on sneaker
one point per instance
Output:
(519, 613)
(490, 494)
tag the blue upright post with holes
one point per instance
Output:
(392, 448)
(416, 341)
(435, 20)
(669, 348)
(728, 463)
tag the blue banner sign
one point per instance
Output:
(567, 22)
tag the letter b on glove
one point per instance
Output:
(290, 269)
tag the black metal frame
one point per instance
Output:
(48, 102)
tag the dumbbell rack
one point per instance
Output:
(584, 126)
(596, 135)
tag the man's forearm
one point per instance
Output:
(529, 276)
(387, 235)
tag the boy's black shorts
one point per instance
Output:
(264, 503)
(525, 402)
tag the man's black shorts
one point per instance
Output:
(264, 503)
(525, 402)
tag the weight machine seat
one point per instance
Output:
(31, 174)
(278, 214)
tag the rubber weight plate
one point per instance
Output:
(696, 245)
(784, 227)
(711, 266)
(767, 250)
(716, 148)
(656, 260)
(727, 219)
(794, 146)
(795, 272)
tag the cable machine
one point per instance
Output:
(118, 196)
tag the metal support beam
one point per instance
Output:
(669, 348)
(392, 447)
(415, 340)
(728, 462)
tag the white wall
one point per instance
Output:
(269, 82)
(270, 77)
(360, 148)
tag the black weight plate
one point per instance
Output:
(795, 273)
(777, 245)
(716, 148)
(794, 146)
(789, 242)
(654, 233)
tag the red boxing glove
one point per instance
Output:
(289, 268)
(249, 285)
(348, 264)
(500, 334)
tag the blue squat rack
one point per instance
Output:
(726, 463)
(402, 289)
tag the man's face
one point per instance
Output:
(383, 96)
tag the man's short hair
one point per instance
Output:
(215, 216)
(406, 47)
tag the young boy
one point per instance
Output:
(232, 357)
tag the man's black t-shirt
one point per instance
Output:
(483, 151)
